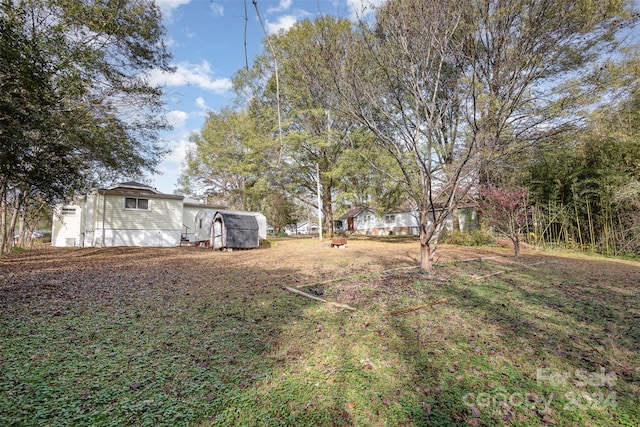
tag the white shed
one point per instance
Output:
(190, 209)
(229, 229)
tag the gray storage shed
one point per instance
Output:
(227, 229)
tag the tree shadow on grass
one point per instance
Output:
(525, 348)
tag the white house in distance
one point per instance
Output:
(401, 222)
(304, 227)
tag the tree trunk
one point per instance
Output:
(3, 219)
(22, 229)
(425, 256)
(455, 215)
(516, 246)
(14, 219)
(327, 211)
(425, 246)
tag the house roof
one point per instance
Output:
(305, 223)
(132, 188)
(406, 206)
(353, 212)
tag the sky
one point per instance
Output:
(207, 41)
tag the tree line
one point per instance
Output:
(434, 103)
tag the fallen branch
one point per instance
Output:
(313, 297)
(505, 271)
(490, 275)
(452, 261)
(540, 263)
(308, 285)
(416, 307)
(402, 268)
(358, 276)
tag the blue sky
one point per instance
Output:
(207, 40)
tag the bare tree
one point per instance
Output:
(448, 86)
(404, 83)
(526, 60)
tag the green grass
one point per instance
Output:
(539, 345)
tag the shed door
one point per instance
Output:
(217, 234)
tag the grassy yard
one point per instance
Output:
(189, 336)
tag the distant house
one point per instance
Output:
(304, 227)
(126, 214)
(364, 220)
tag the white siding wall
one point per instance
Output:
(89, 219)
(160, 225)
(164, 238)
(189, 219)
(394, 223)
(66, 228)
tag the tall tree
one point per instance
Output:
(75, 106)
(229, 160)
(525, 60)
(450, 87)
(403, 82)
(315, 133)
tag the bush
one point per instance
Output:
(478, 237)
(16, 250)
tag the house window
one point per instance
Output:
(68, 211)
(136, 203)
(389, 219)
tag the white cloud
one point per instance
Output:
(283, 5)
(283, 23)
(177, 118)
(170, 42)
(168, 6)
(217, 9)
(200, 102)
(362, 9)
(178, 153)
(200, 75)
(188, 33)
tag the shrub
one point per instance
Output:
(477, 237)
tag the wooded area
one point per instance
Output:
(431, 103)
(427, 103)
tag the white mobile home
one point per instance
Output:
(127, 214)
(304, 227)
